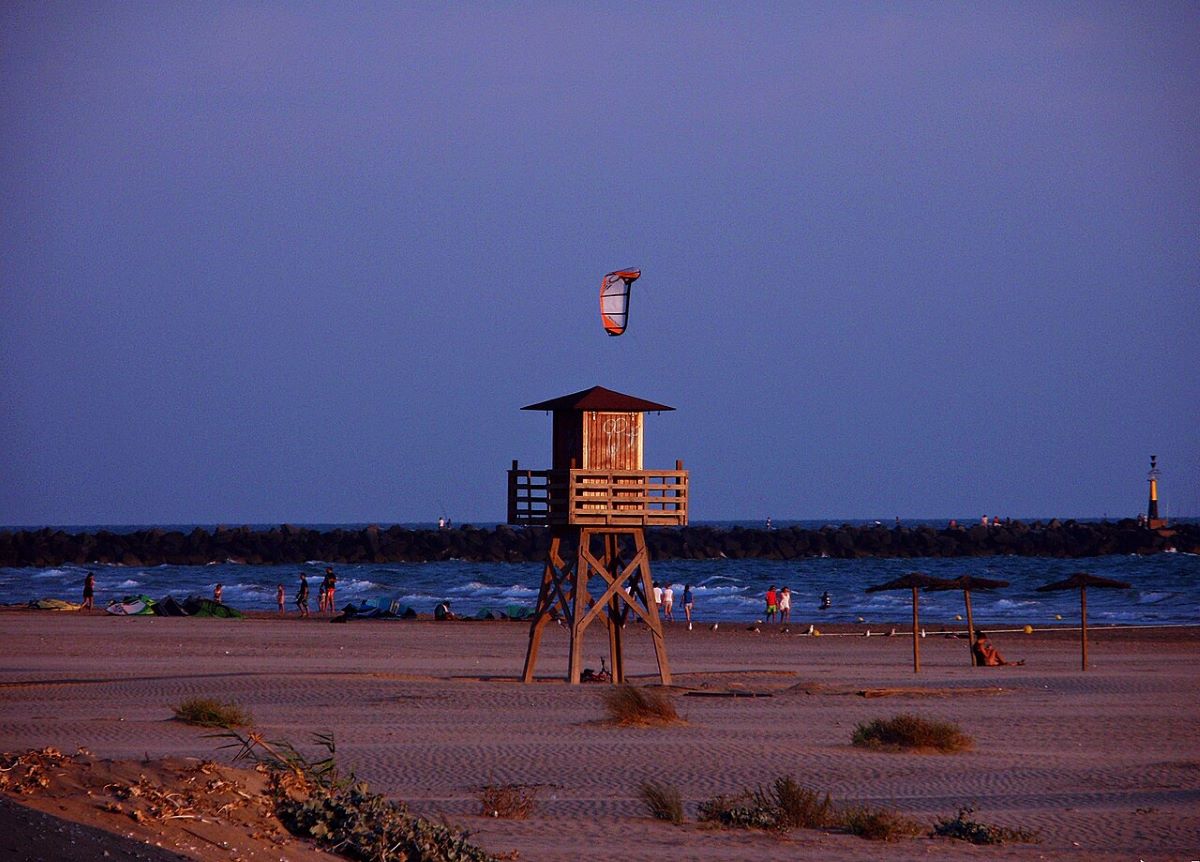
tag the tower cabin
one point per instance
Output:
(596, 475)
(596, 499)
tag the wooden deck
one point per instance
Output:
(618, 498)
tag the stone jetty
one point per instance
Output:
(289, 544)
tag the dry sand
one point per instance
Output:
(1105, 765)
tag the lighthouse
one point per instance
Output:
(1153, 521)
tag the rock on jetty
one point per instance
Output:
(289, 545)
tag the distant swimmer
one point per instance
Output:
(826, 601)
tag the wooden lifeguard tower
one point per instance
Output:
(597, 501)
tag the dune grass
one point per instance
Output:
(629, 706)
(662, 801)
(878, 824)
(206, 712)
(784, 805)
(906, 732)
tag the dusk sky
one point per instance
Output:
(304, 262)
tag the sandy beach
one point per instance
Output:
(1103, 764)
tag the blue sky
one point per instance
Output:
(268, 262)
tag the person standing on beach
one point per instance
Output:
(330, 587)
(785, 605)
(657, 599)
(668, 597)
(217, 590)
(302, 595)
(279, 599)
(772, 606)
(687, 604)
(322, 593)
(89, 592)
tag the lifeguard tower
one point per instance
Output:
(597, 501)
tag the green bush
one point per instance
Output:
(907, 732)
(741, 811)
(341, 814)
(965, 829)
(785, 805)
(367, 827)
(662, 801)
(206, 712)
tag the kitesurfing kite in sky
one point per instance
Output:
(614, 299)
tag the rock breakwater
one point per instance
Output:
(288, 544)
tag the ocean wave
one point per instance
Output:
(358, 584)
(517, 591)
(127, 583)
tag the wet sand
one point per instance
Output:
(1103, 764)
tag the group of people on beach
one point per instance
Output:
(664, 600)
(779, 603)
(324, 596)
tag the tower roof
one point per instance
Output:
(599, 398)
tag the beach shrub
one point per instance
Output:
(964, 828)
(507, 801)
(312, 800)
(662, 801)
(206, 712)
(878, 824)
(630, 706)
(740, 811)
(784, 805)
(907, 732)
(798, 807)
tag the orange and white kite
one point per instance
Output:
(614, 299)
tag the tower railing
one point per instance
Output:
(623, 498)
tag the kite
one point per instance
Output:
(614, 299)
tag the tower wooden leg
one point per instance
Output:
(615, 656)
(579, 608)
(656, 627)
(547, 597)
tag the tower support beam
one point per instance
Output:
(577, 556)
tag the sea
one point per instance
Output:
(1165, 587)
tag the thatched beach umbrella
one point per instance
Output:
(966, 583)
(1081, 581)
(913, 581)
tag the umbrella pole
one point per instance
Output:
(970, 627)
(1083, 622)
(916, 636)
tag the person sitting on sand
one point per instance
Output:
(89, 592)
(443, 612)
(987, 655)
